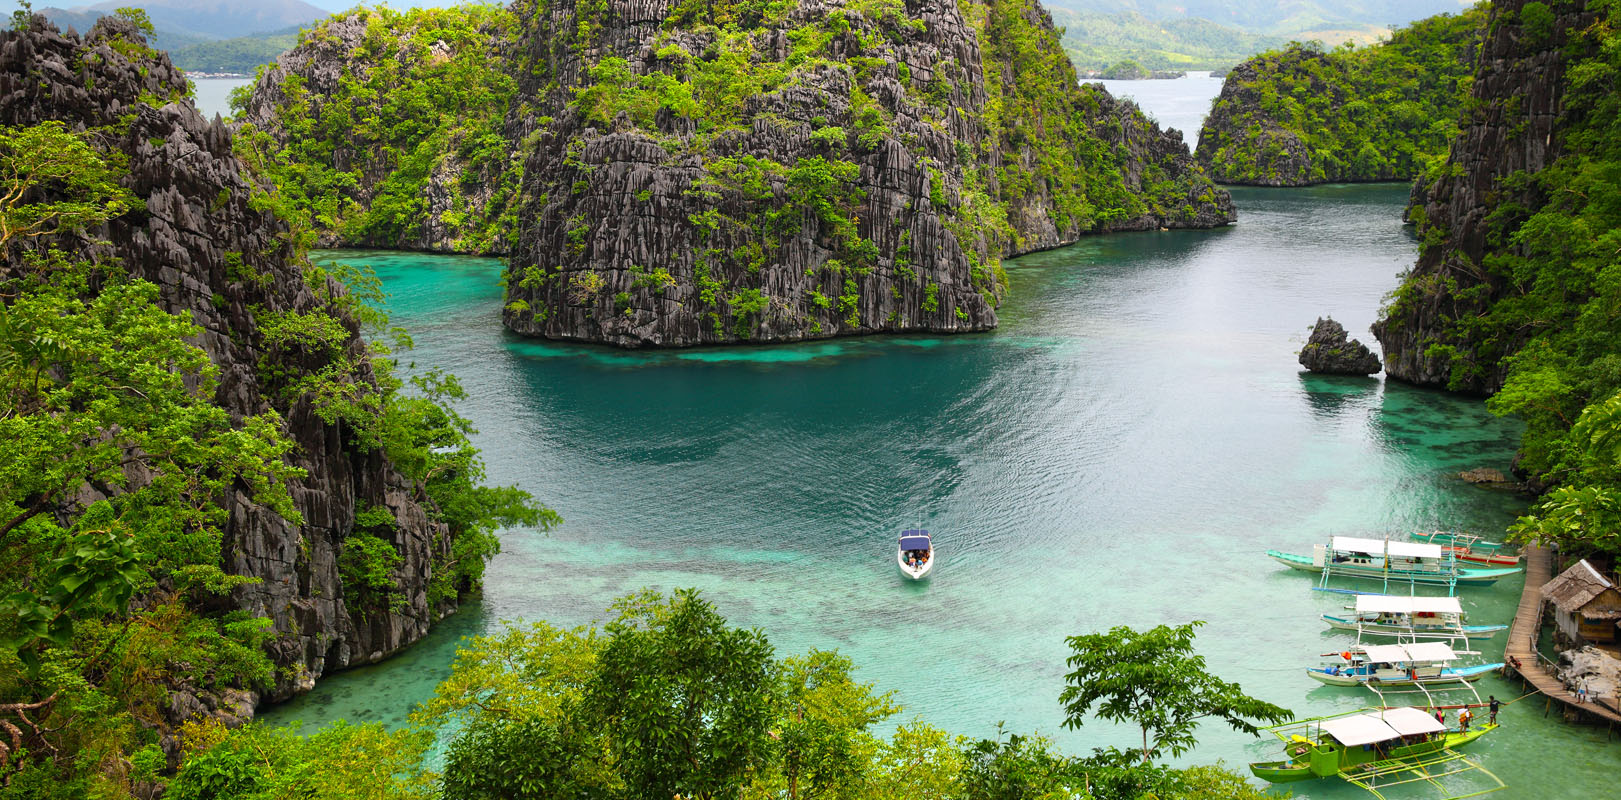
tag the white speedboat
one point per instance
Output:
(915, 555)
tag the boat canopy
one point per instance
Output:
(1397, 604)
(1379, 547)
(1410, 653)
(1359, 730)
(1380, 727)
(915, 540)
(1409, 721)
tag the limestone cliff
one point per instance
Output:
(712, 172)
(813, 169)
(1301, 116)
(1515, 127)
(224, 262)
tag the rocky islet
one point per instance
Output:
(777, 172)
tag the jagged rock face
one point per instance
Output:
(333, 89)
(1330, 351)
(1237, 124)
(220, 261)
(665, 230)
(1513, 126)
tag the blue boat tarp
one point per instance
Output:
(912, 542)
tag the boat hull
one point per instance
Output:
(1447, 676)
(1472, 577)
(1378, 629)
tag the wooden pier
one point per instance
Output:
(1522, 642)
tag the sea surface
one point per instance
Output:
(1121, 451)
(1180, 103)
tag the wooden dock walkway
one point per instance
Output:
(1522, 641)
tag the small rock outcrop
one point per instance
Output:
(1330, 351)
(221, 260)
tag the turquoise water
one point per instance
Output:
(1120, 451)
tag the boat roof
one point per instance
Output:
(1397, 604)
(1351, 544)
(915, 540)
(1409, 721)
(1378, 726)
(1421, 651)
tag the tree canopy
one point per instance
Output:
(1154, 679)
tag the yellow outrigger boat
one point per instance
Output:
(1375, 749)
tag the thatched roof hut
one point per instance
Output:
(1586, 605)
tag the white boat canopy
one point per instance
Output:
(1379, 547)
(1359, 730)
(1409, 721)
(1410, 653)
(1381, 726)
(1397, 604)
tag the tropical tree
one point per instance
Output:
(1155, 680)
(685, 700)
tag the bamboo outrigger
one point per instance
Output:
(1382, 666)
(1408, 563)
(1410, 617)
(1375, 750)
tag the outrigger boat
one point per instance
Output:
(1381, 559)
(1379, 666)
(1374, 750)
(1412, 617)
(916, 554)
(1468, 540)
(1489, 559)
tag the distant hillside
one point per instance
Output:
(1096, 42)
(241, 55)
(1284, 17)
(185, 22)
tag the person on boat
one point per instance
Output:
(1494, 706)
(1464, 718)
(1441, 716)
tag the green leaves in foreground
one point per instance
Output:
(1154, 679)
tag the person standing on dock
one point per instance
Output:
(1494, 706)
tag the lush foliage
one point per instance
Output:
(116, 458)
(242, 55)
(1382, 112)
(1539, 308)
(668, 699)
(1098, 41)
(1155, 680)
(421, 93)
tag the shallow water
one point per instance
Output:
(1119, 452)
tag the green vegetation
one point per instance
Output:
(116, 466)
(1054, 136)
(668, 699)
(243, 55)
(1539, 308)
(1381, 112)
(421, 94)
(1095, 42)
(1154, 679)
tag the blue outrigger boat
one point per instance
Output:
(1384, 665)
(1388, 561)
